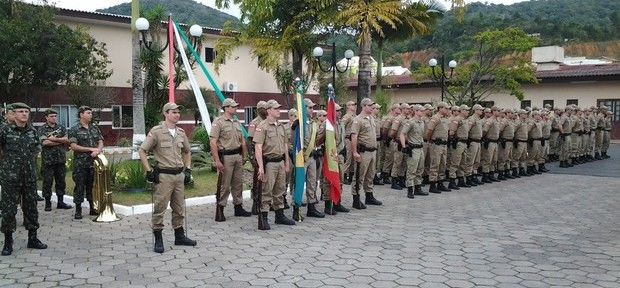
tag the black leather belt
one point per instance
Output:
(171, 171)
(565, 134)
(231, 152)
(522, 141)
(463, 140)
(491, 140)
(439, 142)
(554, 130)
(537, 139)
(274, 159)
(362, 148)
(415, 146)
(474, 140)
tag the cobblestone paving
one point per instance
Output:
(551, 230)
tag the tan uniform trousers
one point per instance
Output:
(565, 152)
(575, 144)
(348, 160)
(473, 159)
(591, 141)
(311, 180)
(489, 157)
(388, 158)
(273, 186)
(585, 143)
(598, 140)
(380, 156)
(231, 183)
(366, 173)
(169, 190)
(554, 143)
(544, 151)
(458, 161)
(519, 155)
(397, 162)
(606, 140)
(533, 153)
(436, 171)
(503, 156)
(415, 167)
(427, 156)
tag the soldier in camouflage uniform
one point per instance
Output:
(53, 156)
(19, 145)
(86, 143)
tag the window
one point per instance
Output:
(614, 106)
(209, 54)
(67, 114)
(572, 102)
(122, 117)
(526, 103)
(550, 102)
(486, 104)
(249, 114)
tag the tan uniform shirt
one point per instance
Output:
(168, 150)
(271, 135)
(546, 129)
(439, 127)
(396, 123)
(347, 121)
(577, 127)
(523, 129)
(491, 128)
(227, 133)
(535, 130)
(252, 126)
(365, 128)
(476, 127)
(414, 131)
(508, 132)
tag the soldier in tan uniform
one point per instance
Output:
(411, 139)
(505, 145)
(491, 130)
(600, 130)
(576, 135)
(261, 114)
(347, 121)
(376, 112)
(229, 152)
(314, 139)
(342, 152)
(474, 148)
(273, 164)
(566, 126)
(592, 139)
(554, 140)
(397, 182)
(458, 163)
(288, 130)
(363, 146)
(534, 143)
(606, 133)
(437, 133)
(173, 157)
(546, 136)
(388, 155)
(428, 113)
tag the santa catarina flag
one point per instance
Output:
(330, 157)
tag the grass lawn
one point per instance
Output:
(204, 184)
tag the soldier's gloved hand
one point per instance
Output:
(188, 176)
(152, 177)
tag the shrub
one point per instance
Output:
(129, 175)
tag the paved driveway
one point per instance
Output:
(556, 229)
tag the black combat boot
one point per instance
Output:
(403, 181)
(329, 208)
(485, 178)
(34, 242)
(92, 211)
(452, 184)
(281, 218)
(8, 244)
(371, 200)
(410, 192)
(396, 184)
(219, 213)
(263, 222)
(417, 190)
(286, 206)
(61, 203)
(425, 180)
(297, 214)
(181, 239)
(542, 168)
(239, 211)
(78, 212)
(357, 204)
(312, 212)
(470, 181)
(492, 177)
(508, 175)
(604, 155)
(522, 172)
(433, 188)
(377, 180)
(442, 187)
(563, 164)
(571, 162)
(500, 175)
(535, 170)
(347, 179)
(597, 156)
(386, 178)
(340, 208)
(475, 179)
(463, 183)
(159, 242)
(515, 173)
(48, 204)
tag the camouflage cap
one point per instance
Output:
(366, 102)
(535, 113)
(167, 106)
(477, 107)
(321, 113)
(308, 102)
(428, 107)
(495, 108)
(404, 106)
(416, 107)
(376, 106)
(442, 105)
(19, 105)
(548, 106)
(292, 112)
(228, 102)
(272, 104)
(464, 107)
(338, 107)
(455, 108)
(9, 107)
(395, 106)
(261, 105)
(487, 110)
(522, 111)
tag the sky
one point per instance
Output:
(92, 5)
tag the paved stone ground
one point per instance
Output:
(542, 231)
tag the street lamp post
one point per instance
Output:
(442, 73)
(143, 26)
(317, 52)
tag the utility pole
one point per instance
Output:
(137, 85)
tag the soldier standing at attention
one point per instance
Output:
(313, 141)
(600, 130)
(172, 172)
(489, 150)
(546, 136)
(86, 143)
(347, 121)
(437, 133)
(554, 140)
(288, 132)
(506, 145)
(53, 158)
(394, 148)
(229, 151)
(534, 145)
(364, 144)
(566, 128)
(473, 147)
(378, 180)
(19, 146)
(411, 139)
(388, 156)
(342, 152)
(273, 164)
(606, 133)
(261, 114)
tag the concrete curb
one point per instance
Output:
(147, 208)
